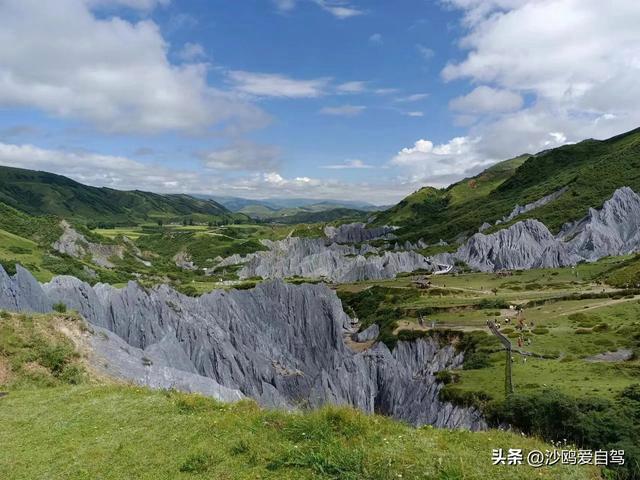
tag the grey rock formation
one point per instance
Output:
(278, 343)
(612, 230)
(484, 226)
(367, 335)
(524, 245)
(183, 260)
(313, 258)
(76, 245)
(22, 292)
(357, 233)
(519, 210)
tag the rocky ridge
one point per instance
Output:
(612, 230)
(280, 344)
(320, 258)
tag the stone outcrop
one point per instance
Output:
(524, 245)
(280, 344)
(519, 210)
(357, 233)
(314, 258)
(367, 335)
(76, 245)
(612, 230)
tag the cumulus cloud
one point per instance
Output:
(349, 164)
(276, 85)
(126, 174)
(485, 99)
(439, 165)
(416, 97)
(578, 60)
(144, 5)
(192, 51)
(118, 77)
(352, 87)
(241, 156)
(425, 52)
(376, 39)
(343, 110)
(340, 9)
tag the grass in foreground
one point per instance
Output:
(59, 422)
(125, 432)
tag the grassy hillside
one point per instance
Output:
(43, 193)
(592, 170)
(320, 212)
(59, 422)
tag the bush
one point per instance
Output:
(583, 331)
(60, 307)
(540, 330)
(476, 360)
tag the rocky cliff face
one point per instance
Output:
(524, 245)
(76, 245)
(612, 230)
(317, 258)
(357, 233)
(278, 343)
(519, 209)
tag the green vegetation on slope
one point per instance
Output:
(43, 193)
(592, 170)
(55, 428)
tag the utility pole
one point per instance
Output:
(508, 383)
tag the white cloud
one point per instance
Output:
(118, 77)
(442, 164)
(340, 9)
(349, 164)
(243, 155)
(578, 61)
(414, 114)
(485, 99)
(376, 39)
(425, 52)
(416, 97)
(192, 51)
(276, 85)
(145, 5)
(352, 87)
(343, 110)
(125, 174)
(285, 5)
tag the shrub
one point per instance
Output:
(540, 330)
(60, 307)
(583, 331)
(476, 360)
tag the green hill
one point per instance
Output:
(592, 170)
(43, 193)
(59, 422)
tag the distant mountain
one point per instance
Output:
(577, 177)
(43, 193)
(236, 204)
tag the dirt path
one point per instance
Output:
(600, 305)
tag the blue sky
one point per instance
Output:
(341, 99)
